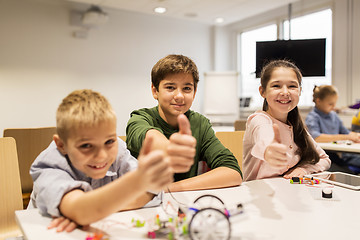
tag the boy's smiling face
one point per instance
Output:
(91, 150)
(175, 96)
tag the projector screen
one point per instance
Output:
(308, 55)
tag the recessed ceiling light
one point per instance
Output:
(160, 10)
(219, 20)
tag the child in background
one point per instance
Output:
(174, 81)
(276, 142)
(325, 126)
(87, 173)
(355, 122)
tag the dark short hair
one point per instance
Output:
(173, 64)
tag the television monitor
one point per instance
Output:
(308, 55)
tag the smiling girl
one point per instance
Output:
(276, 142)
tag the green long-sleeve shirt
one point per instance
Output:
(208, 146)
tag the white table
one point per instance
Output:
(341, 147)
(273, 209)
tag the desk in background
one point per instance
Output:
(341, 147)
(273, 209)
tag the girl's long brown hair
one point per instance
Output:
(306, 150)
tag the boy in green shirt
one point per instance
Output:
(174, 82)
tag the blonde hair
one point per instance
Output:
(321, 92)
(82, 108)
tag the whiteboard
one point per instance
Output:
(221, 101)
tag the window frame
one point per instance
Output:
(279, 20)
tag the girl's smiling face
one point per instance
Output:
(282, 93)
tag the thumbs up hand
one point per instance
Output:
(275, 153)
(153, 168)
(181, 150)
(184, 125)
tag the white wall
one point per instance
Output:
(41, 62)
(346, 50)
(356, 50)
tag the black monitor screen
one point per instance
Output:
(308, 55)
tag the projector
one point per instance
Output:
(94, 16)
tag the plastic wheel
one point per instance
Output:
(209, 224)
(209, 201)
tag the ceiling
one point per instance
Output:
(203, 11)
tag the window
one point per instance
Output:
(249, 85)
(315, 25)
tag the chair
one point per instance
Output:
(30, 143)
(240, 125)
(10, 188)
(234, 142)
